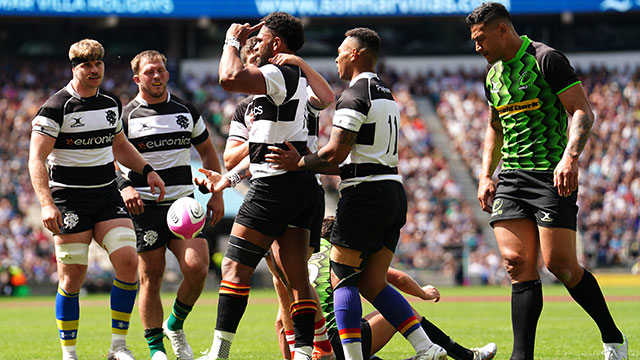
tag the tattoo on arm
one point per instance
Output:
(579, 134)
(321, 159)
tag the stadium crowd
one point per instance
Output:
(440, 225)
(609, 216)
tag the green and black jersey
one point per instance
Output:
(524, 91)
(320, 279)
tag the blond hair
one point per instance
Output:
(149, 56)
(85, 50)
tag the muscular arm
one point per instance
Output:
(565, 175)
(322, 95)
(490, 159)
(408, 285)
(125, 153)
(234, 76)
(40, 147)
(332, 154)
(234, 152)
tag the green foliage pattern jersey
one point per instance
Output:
(524, 91)
(320, 279)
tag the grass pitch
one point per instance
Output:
(472, 316)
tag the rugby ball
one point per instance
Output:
(186, 218)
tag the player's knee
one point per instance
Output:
(562, 271)
(244, 252)
(119, 237)
(513, 262)
(72, 254)
(347, 275)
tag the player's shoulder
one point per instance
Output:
(545, 53)
(109, 96)
(58, 99)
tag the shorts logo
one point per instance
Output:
(497, 205)
(121, 210)
(150, 237)
(546, 217)
(70, 220)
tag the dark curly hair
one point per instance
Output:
(327, 227)
(286, 27)
(486, 13)
(366, 38)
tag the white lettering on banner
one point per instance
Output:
(92, 6)
(17, 5)
(369, 7)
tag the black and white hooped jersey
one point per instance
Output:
(84, 128)
(163, 134)
(367, 107)
(278, 116)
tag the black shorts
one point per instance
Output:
(370, 216)
(152, 231)
(524, 194)
(365, 329)
(316, 224)
(275, 202)
(82, 208)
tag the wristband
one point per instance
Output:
(234, 178)
(231, 41)
(146, 170)
(122, 181)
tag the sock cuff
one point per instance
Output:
(152, 332)
(234, 289)
(524, 286)
(182, 306)
(304, 306)
(125, 285)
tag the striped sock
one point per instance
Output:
(290, 335)
(303, 312)
(154, 340)
(67, 318)
(123, 297)
(397, 311)
(232, 302)
(179, 313)
(348, 313)
(320, 338)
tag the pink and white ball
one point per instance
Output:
(186, 218)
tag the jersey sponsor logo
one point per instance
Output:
(516, 108)
(95, 140)
(77, 122)
(160, 143)
(111, 117)
(70, 220)
(383, 89)
(497, 207)
(150, 237)
(182, 121)
(526, 79)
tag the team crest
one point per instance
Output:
(182, 121)
(70, 220)
(150, 237)
(111, 117)
(526, 79)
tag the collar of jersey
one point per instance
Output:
(525, 44)
(367, 75)
(144, 102)
(73, 92)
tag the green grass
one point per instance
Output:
(564, 330)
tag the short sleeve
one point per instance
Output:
(352, 108)
(48, 120)
(557, 71)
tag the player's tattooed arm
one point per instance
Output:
(579, 133)
(332, 154)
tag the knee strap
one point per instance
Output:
(348, 275)
(74, 253)
(244, 252)
(119, 237)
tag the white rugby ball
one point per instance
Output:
(186, 218)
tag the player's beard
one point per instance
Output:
(263, 58)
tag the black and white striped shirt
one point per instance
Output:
(163, 134)
(278, 116)
(367, 107)
(84, 128)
